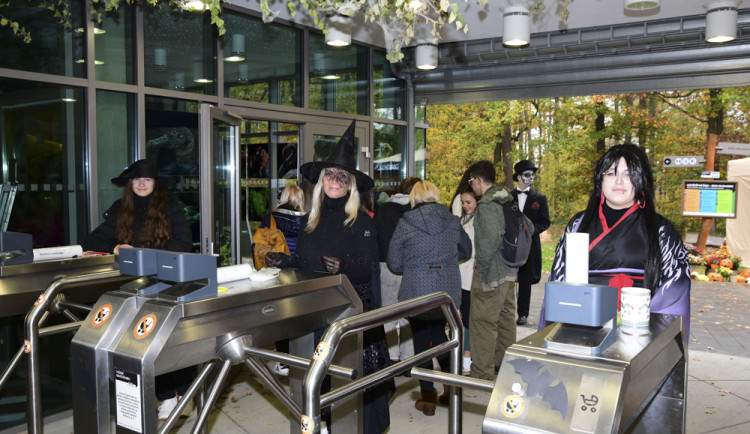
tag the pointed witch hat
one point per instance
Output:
(342, 157)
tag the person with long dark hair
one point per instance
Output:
(629, 243)
(147, 216)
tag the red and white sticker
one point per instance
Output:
(321, 351)
(101, 315)
(145, 326)
(26, 346)
(39, 300)
(308, 425)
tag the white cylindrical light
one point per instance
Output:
(721, 21)
(339, 30)
(516, 26)
(426, 56)
(160, 59)
(641, 5)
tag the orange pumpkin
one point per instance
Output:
(741, 279)
(745, 272)
(714, 266)
(715, 277)
(726, 263)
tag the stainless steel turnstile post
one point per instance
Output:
(638, 384)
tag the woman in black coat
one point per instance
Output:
(147, 216)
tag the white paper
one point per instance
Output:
(233, 272)
(62, 252)
(577, 257)
(128, 400)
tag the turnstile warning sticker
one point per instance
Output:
(26, 346)
(145, 326)
(512, 406)
(128, 400)
(588, 403)
(308, 425)
(39, 300)
(321, 351)
(101, 315)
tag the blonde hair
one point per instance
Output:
(294, 196)
(351, 208)
(424, 191)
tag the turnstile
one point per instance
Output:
(128, 339)
(637, 384)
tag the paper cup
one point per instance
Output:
(635, 310)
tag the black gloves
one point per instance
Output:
(278, 260)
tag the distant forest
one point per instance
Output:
(565, 137)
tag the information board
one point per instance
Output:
(709, 199)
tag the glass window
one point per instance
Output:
(115, 143)
(390, 160)
(262, 62)
(172, 145)
(42, 155)
(180, 51)
(53, 49)
(419, 153)
(338, 77)
(390, 97)
(114, 41)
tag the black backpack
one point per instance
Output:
(517, 238)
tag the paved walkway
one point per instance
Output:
(718, 399)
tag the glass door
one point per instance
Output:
(219, 181)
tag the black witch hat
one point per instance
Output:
(342, 157)
(141, 169)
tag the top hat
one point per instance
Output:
(140, 169)
(523, 166)
(342, 157)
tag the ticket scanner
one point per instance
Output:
(586, 375)
(137, 333)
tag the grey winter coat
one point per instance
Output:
(426, 247)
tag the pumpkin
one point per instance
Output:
(741, 279)
(715, 277)
(726, 263)
(745, 272)
(714, 266)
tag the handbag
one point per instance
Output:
(267, 240)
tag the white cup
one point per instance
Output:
(635, 310)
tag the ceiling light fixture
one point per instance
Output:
(721, 21)
(641, 5)
(516, 26)
(426, 56)
(242, 72)
(238, 48)
(198, 75)
(339, 30)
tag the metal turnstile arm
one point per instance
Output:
(364, 321)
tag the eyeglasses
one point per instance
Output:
(472, 180)
(341, 176)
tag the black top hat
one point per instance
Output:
(140, 169)
(342, 157)
(523, 166)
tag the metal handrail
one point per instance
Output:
(312, 401)
(31, 331)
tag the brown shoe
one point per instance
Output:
(427, 404)
(445, 397)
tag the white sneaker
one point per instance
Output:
(467, 366)
(168, 405)
(282, 370)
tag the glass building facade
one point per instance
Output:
(80, 103)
